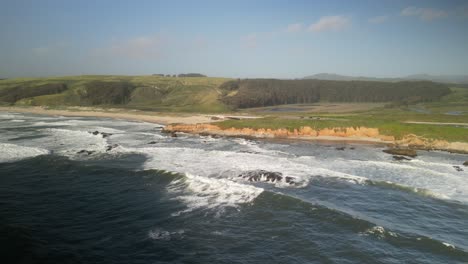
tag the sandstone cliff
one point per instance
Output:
(345, 133)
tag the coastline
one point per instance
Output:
(344, 134)
(202, 124)
(134, 115)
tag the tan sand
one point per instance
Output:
(136, 115)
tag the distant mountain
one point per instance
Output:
(459, 79)
(337, 77)
(463, 79)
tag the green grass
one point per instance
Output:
(388, 121)
(151, 93)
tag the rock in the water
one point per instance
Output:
(173, 134)
(458, 168)
(340, 148)
(104, 134)
(152, 142)
(289, 180)
(401, 152)
(109, 148)
(268, 176)
(400, 158)
(465, 163)
(84, 151)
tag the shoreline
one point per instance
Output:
(343, 134)
(202, 124)
(133, 115)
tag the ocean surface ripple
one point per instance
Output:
(81, 190)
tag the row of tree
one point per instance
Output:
(180, 75)
(268, 92)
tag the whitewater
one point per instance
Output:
(359, 194)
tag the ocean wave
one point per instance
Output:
(12, 152)
(69, 142)
(158, 234)
(198, 192)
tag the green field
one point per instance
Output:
(389, 121)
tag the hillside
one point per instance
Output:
(138, 92)
(203, 94)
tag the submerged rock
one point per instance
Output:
(103, 134)
(152, 142)
(400, 158)
(401, 152)
(340, 148)
(109, 148)
(268, 176)
(458, 168)
(173, 134)
(84, 151)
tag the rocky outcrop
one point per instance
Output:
(110, 147)
(267, 176)
(401, 152)
(103, 134)
(418, 142)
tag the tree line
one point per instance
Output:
(267, 92)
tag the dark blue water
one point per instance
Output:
(180, 200)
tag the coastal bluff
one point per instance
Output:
(364, 134)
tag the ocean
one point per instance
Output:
(97, 190)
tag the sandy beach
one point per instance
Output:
(136, 115)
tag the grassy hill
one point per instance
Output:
(156, 93)
(203, 94)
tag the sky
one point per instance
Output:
(238, 39)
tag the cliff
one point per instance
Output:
(345, 133)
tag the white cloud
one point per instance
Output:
(294, 27)
(330, 23)
(250, 41)
(378, 19)
(426, 14)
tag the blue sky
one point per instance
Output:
(280, 39)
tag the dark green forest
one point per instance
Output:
(267, 92)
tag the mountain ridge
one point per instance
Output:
(456, 79)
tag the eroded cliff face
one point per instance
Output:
(303, 132)
(414, 141)
(352, 133)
